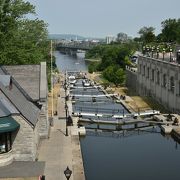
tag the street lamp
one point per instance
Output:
(170, 54)
(144, 50)
(178, 56)
(67, 173)
(163, 52)
(147, 50)
(66, 108)
(52, 103)
(152, 51)
(157, 52)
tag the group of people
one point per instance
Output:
(175, 121)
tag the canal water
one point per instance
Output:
(127, 155)
(65, 62)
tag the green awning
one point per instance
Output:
(8, 124)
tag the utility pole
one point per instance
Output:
(52, 113)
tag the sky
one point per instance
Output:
(100, 18)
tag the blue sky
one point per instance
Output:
(99, 18)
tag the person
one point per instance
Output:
(169, 117)
(176, 121)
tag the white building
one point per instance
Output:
(110, 39)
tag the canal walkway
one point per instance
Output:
(60, 151)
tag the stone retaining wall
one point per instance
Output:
(160, 80)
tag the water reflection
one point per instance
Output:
(70, 63)
(139, 156)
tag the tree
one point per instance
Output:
(22, 41)
(171, 30)
(122, 37)
(114, 74)
(120, 77)
(147, 34)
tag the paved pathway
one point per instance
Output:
(57, 150)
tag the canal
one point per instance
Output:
(127, 155)
(66, 62)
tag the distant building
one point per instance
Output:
(110, 39)
(23, 111)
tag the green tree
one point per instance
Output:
(114, 74)
(119, 77)
(147, 34)
(171, 30)
(22, 41)
(122, 37)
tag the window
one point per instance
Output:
(144, 70)
(140, 68)
(164, 80)
(172, 84)
(158, 77)
(152, 74)
(148, 72)
(5, 142)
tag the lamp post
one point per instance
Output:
(157, 52)
(163, 53)
(67, 173)
(147, 50)
(152, 50)
(66, 107)
(52, 103)
(170, 50)
(178, 56)
(144, 50)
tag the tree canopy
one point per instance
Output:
(171, 30)
(22, 40)
(147, 34)
(114, 58)
(170, 33)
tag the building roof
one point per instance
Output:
(3, 110)
(28, 77)
(25, 107)
(27, 85)
(6, 108)
(5, 79)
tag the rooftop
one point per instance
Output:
(28, 77)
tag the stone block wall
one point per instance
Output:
(131, 79)
(25, 141)
(6, 158)
(44, 125)
(160, 80)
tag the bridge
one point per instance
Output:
(78, 46)
(73, 47)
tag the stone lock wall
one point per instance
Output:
(131, 79)
(160, 80)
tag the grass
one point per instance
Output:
(155, 105)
